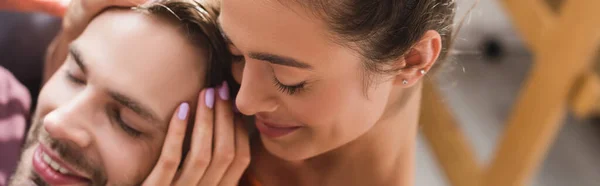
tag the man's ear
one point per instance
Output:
(419, 59)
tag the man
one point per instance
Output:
(103, 116)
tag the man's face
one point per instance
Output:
(102, 118)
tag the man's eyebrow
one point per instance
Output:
(76, 54)
(279, 60)
(138, 108)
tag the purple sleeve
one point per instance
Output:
(14, 112)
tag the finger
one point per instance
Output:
(224, 149)
(200, 153)
(52, 7)
(242, 156)
(77, 16)
(80, 12)
(51, 61)
(170, 157)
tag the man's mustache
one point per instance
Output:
(68, 152)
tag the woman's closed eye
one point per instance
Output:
(289, 89)
(238, 58)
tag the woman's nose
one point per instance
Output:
(255, 95)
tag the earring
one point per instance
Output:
(405, 82)
(423, 72)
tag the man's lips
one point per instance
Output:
(58, 160)
(52, 170)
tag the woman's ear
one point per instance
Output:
(419, 59)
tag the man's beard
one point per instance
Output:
(69, 153)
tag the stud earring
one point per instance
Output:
(405, 82)
(423, 72)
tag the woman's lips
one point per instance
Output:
(49, 174)
(274, 131)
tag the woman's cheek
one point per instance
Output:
(318, 108)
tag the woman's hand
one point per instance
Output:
(78, 16)
(52, 7)
(219, 152)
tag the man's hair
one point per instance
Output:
(199, 22)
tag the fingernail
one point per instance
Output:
(183, 111)
(224, 91)
(209, 97)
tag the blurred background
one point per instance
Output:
(489, 65)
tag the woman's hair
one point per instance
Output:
(198, 20)
(384, 30)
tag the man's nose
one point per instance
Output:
(68, 122)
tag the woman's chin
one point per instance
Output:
(288, 152)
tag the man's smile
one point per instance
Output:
(53, 170)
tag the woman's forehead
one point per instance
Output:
(277, 29)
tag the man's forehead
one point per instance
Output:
(159, 68)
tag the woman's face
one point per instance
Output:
(308, 93)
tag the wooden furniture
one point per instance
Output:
(564, 43)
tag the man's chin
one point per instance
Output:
(35, 180)
(25, 175)
(25, 183)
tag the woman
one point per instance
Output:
(334, 85)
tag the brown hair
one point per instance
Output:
(199, 23)
(385, 30)
(198, 20)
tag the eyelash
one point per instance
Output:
(288, 89)
(116, 116)
(75, 79)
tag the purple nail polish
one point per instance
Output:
(224, 91)
(209, 98)
(183, 111)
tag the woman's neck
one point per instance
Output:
(382, 156)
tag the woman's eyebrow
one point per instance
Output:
(271, 58)
(279, 60)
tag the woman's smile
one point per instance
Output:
(274, 129)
